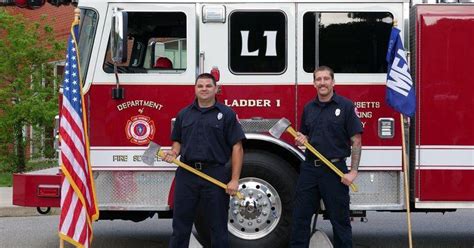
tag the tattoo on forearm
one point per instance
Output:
(355, 154)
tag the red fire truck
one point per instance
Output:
(265, 53)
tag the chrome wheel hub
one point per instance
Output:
(258, 213)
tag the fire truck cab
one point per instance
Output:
(265, 53)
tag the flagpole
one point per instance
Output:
(405, 175)
(405, 179)
(77, 14)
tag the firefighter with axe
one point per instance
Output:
(331, 131)
(206, 134)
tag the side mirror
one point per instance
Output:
(118, 39)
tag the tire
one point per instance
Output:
(268, 184)
(43, 210)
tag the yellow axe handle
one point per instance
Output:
(200, 174)
(321, 157)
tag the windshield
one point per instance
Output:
(87, 30)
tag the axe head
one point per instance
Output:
(149, 155)
(279, 128)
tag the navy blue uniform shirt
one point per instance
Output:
(207, 134)
(329, 126)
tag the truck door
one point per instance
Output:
(253, 47)
(157, 78)
(352, 39)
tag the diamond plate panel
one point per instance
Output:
(250, 125)
(133, 190)
(257, 125)
(378, 189)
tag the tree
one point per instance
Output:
(27, 93)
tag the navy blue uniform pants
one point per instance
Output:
(314, 184)
(189, 190)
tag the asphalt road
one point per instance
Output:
(382, 230)
(432, 230)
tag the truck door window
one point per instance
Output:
(156, 44)
(349, 42)
(257, 42)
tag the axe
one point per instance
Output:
(285, 125)
(148, 158)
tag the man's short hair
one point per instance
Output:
(206, 76)
(324, 68)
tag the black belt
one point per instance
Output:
(199, 165)
(318, 162)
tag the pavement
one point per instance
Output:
(7, 209)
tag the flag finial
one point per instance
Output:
(77, 14)
(395, 22)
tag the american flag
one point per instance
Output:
(78, 202)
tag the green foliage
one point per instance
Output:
(6, 177)
(28, 92)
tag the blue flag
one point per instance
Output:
(400, 92)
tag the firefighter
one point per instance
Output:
(330, 123)
(206, 134)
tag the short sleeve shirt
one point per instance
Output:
(207, 134)
(330, 126)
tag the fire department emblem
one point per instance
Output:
(140, 129)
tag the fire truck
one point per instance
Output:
(264, 54)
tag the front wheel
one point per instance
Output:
(262, 218)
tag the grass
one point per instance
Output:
(6, 177)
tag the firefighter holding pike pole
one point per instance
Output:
(206, 134)
(330, 124)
